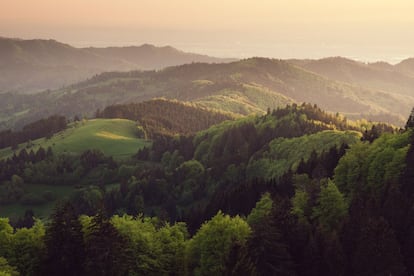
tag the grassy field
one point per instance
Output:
(114, 137)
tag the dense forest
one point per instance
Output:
(165, 117)
(297, 191)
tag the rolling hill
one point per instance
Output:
(379, 76)
(114, 137)
(30, 66)
(243, 87)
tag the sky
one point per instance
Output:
(367, 30)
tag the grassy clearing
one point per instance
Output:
(119, 138)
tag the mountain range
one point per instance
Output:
(30, 66)
(241, 87)
(374, 91)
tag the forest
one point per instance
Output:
(297, 191)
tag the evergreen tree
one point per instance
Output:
(105, 249)
(65, 250)
(377, 252)
(268, 251)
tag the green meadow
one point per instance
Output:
(119, 138)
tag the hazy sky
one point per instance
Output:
(361, 29)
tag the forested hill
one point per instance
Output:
(244, 87)
(165, 117)
(154, 118)
(31, 66)
(297, 191)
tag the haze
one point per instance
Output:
(367, 30)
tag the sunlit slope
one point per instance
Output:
(114, 137)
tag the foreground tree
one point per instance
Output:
(105, 249)
(65, 250)
(209, 250)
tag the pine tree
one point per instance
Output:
(65, 250)
(105, 249)
(268, 251)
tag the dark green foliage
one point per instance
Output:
(105, 249)
(91, 159)
(377, 251)
(27, 221)
(162, 117)
(336, 206)
(32, 131)
(268, 251)
(65, 249)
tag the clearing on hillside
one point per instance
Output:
(114, 137)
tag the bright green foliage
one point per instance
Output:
(331, 207)
(172, 243)
(6, 232)
(6, 269)
(348, 173)
(27, 243)
(262, 209)
(22, 248)
(209, 249)
(284, 153)
(154, 251)
(367, 166)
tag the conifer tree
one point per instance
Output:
(105, 249)
(65, 250)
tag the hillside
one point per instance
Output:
(167, 118)
(297, 182)
(380, 76)
(114, 137)
(29, 66)
(110, 151)
(243, 87)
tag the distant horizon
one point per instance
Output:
(239, 50)
(367, 31)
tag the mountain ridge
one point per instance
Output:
(34, 65)
(244, 87)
